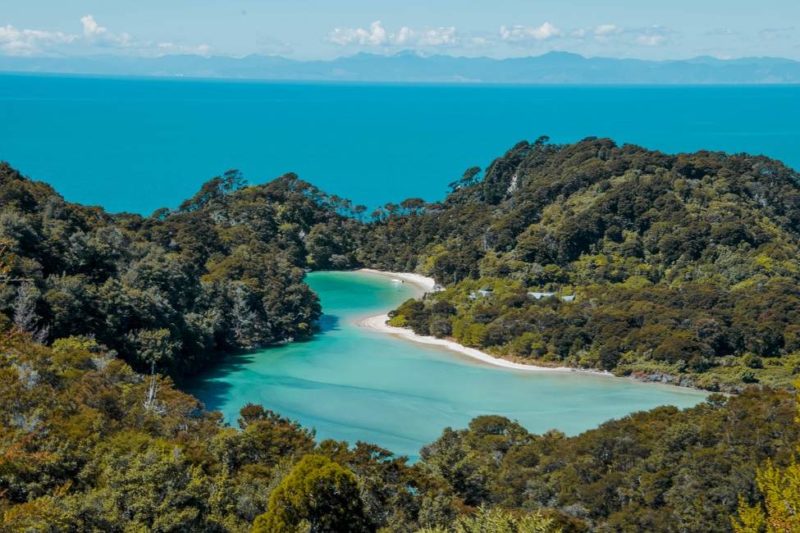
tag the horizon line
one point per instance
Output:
(399, 53)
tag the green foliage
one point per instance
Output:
(778, 508)
(317, 495)
(497, 520)
(661, 470)
(222, 273)
(80, 451)
(682, 267)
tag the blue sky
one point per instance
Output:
(304, 29)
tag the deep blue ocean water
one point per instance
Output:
(140, 144)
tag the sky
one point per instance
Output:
(324, 29)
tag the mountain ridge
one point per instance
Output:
(555, 67)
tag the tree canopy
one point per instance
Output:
(317, 495)
(681, 268)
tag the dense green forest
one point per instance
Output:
(682, 268)
(81, 450)
(221, 273)
(670, 267)
(676, 268)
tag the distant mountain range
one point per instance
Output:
(550, 68)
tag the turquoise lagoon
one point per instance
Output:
(351, 383)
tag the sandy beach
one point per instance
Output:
(426, 284)
(378, 323)
(422, 283)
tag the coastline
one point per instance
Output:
(422, 283)
(425, 284)
(378, 323)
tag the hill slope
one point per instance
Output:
(685, 265)
(174, 290)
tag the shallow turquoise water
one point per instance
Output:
(354, 384)
(138, 144)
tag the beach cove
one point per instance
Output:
(424, 284)
(353, 383)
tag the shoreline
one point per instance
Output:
(423, 284)
(378, 323)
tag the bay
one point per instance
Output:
(351, 383)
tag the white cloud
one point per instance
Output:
(99, 35)
(517, 33)
(31, 42)
(617, 36)
(604, 30)
(14, 41)
(90, 26)
(378, 36)
(375, 35)
(404, 36)
(438, 37)
(479, 41)
(172, 48)
(653, 36)
(650, 40)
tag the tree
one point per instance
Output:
(25, 316)
(153, 347)
(215, 190)
(412, 206)
(497, 520)
(780, 510)
(469, 178)
(359, 211)
(318, 495)
(247, 325)
(6, 260)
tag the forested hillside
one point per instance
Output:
(671, 267)
(681, 267)
(661, 470)
(82, 450)
(223, 272)
(588, 254)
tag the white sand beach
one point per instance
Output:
(378, 323)
(423, 283)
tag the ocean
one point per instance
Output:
(140, 144)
